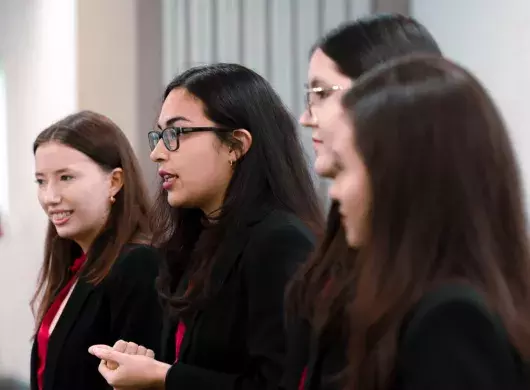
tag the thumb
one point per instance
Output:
(107, 354)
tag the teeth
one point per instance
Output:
(62, 215)
(168, 177)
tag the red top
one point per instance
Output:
(181, 331)
(43, 335)
(301, 385)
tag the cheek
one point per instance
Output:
(203, 173)
(90, 200)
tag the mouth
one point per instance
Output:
(317, 141)
(168, 179)
(60, 218)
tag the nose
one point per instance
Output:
(51, 195)
(159, 153)
(307, 119)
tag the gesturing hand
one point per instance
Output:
(130, 371)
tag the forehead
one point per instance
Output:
(180, 103)
(323, 69)
(54, 156)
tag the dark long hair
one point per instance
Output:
(99, 138)
(446, 205)
(273, 173)
(355, 47)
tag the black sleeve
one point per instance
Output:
(457, 346)
(136, 314)
(268, 264)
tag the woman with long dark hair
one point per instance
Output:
(97, 282)
(236, 215)
(337, 60)
(437, 293)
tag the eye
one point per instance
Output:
(66, 177)
(39, 181)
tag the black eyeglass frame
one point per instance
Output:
(164, 135)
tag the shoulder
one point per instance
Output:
(278, 241)
(137, 262)
(453, 336)
(281, 225)
(452, 318)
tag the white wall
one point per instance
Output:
(38, 53)
(492, 39)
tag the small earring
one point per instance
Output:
(112, 199)
(231, 162)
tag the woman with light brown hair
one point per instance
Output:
(97, 282)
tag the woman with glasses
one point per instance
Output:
(316, 350)
(236, 214)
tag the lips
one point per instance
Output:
(60, 217)
(168, 179)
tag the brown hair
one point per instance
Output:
(102, 140)
(446, 205)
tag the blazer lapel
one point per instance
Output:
(68, 318)
(227, 258)
(34, 365)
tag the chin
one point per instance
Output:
(176, 200)
(68, 232)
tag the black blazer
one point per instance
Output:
(450, 340)
(237, 341)
(124, 306)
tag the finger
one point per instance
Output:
(150, 353)
(107, 354)
(141, 350)
(120, 346)
(103, 369)
(111, 365)
(102, 346)
(132, 348)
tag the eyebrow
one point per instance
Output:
(171, 121)
(57, 172)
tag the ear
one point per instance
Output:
(244, 139)
(116, 181)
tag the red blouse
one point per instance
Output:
(43, 335)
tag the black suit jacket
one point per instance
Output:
(449, 340)
(124, 306)
(237, 341)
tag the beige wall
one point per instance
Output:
(61, 56)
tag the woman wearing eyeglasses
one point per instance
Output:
(237, 213)
(316, 350)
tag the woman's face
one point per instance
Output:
(350, 186)
(74, 191)
(198, 173)
(326, 85)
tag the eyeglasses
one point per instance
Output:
(171, 135)
(315, 95)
